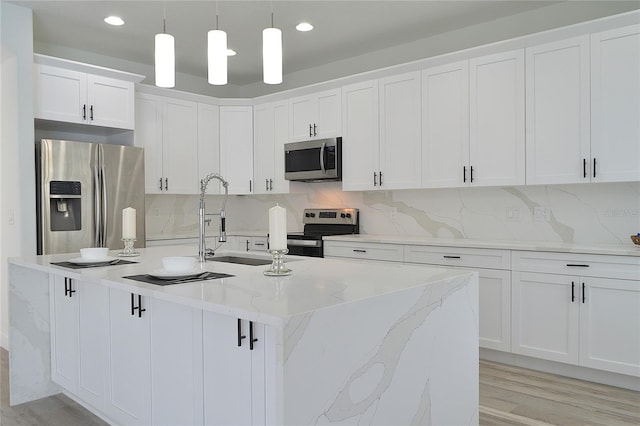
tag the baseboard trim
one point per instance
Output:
(567, 370)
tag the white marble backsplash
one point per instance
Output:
(581, 213)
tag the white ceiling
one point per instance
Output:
(343, 29)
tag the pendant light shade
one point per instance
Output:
(165, 60)
(272, 55)
(217, 57)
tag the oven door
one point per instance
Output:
(313, 160)
(301, 246)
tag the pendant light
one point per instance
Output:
(165, 56)
(272, 54)
(217, 55)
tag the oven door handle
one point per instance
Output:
(304, 243)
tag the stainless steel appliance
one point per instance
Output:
(81, 189)
(314, 160)
(319, 223)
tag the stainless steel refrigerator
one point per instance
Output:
(81, 191)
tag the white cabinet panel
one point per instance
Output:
(497, 145)
(180, 146)
(271, 122)
(494, 304)
(209, 144)
(456, 256)
(315, 116)
(558, 133)
(615, 105)
(610, 325)
(368, 251)
(236, 148)
(148, 135)
(64, 332)
(445, 124)
(111, 102)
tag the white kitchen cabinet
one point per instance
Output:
(382, 146)
(129, 399)
(77, 97)
(236, 148)
(558, 105)
(496, 120)
(167, 129)
(493, 267)
(79, 333)
(364, 250)
(315, 116)
(209, 144)
(234, 355)
(445, 125)
(271, 124)
(585, 316)
(615, 105)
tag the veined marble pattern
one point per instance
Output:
(405, 359)
(604, 213)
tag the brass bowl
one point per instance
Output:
(635, 239)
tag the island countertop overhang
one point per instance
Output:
(315, 284)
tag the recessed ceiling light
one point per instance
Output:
(304, 26)
(231, 52)
(114, 20)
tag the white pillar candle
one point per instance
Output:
(129, 223)
(277, 228)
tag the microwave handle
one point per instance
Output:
(324, 171)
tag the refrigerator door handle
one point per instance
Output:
(103, 189)
(96, 206)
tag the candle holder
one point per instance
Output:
(278, 267)
(129, 250)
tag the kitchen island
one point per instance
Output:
(336, 342)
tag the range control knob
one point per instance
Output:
(310, 215)
(342, 215)
(349, 215)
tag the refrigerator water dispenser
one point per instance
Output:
(65, 205)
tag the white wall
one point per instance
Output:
(17, 170)
(582, 213)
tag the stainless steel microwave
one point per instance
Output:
(313, 160)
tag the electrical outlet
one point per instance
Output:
(541, 214)
(512, 214)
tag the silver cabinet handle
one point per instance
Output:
(315, 131)
(250, 188)
(266, 184)
(310, 134)
(270, 184)
(380, 178)
(166, 184)
(375, 179)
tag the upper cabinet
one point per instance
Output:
(236, 148)
(209, 144)
(381, 142)
(615, 105)
(558, 133)
(315, 116)
(271, 124)
(78, 97)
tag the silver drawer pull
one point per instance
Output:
(451, 257)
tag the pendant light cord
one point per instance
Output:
(164, 17)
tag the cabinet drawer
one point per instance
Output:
(370, 251)
(587, 265)
(259, 243)
(453, 256)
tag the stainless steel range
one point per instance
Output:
(319, 223)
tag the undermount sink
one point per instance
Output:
(251, 261)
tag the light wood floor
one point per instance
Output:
(508, 396)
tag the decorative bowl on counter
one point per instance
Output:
(636, 239)
(178, 263)
(94, 253)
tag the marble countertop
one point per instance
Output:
(617, 250)
(314, 284)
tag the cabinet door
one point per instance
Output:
(445, 125)
(271, 123)
(64, 333)
(496, 139)
(236, 148)
(360, 132)
(610, 325)
(302, 111)
(180, 146)
(281, 136)
(495, 309)
(558, 112)
(400, 132)
(60, 94)
(545, 316)
(328, 117)
(615, 105)
(230, 395)
(209, 144)
(93, 313)
(148, 135)
(129, 399)
(110, 102)
(176, 364)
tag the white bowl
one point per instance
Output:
(178, 264)
(94, 252)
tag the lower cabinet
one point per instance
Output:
(234, 354)
(587, 321)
